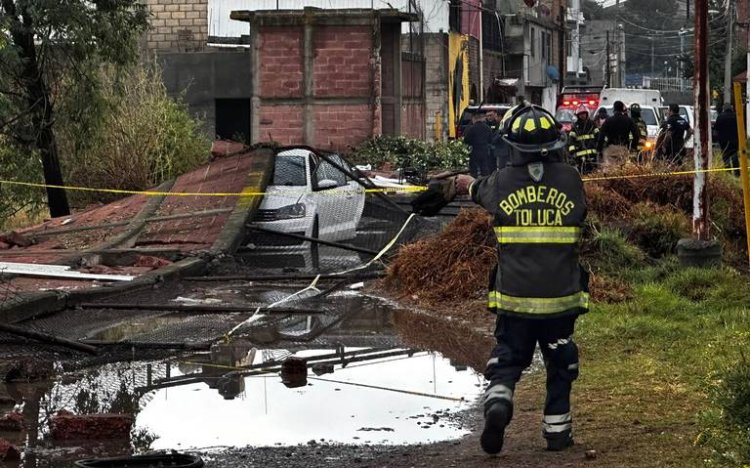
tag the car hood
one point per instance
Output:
(277, 196)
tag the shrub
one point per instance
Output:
(402, 152)
(139, 138)
(656, 229)
(15, 200)
(608, 250)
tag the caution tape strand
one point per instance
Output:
(407, 189)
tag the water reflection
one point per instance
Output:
(344, 376)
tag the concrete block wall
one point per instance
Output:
(177, 25)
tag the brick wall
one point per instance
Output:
(282, 124)
(342, 61)
(339, 127)
(280, 58)
(177, 24)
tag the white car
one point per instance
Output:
(308, 196)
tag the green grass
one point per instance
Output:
(671, 360)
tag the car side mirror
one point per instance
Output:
(327, 184)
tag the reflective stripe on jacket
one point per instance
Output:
(583, 139)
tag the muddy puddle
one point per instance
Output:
(389, 396)
(348, 372)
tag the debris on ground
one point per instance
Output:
(8, 452)
(294, 372)
(449, 266)
(25, 370)
(14, 239)
(148, 261)
(65, 425)
(11, 422)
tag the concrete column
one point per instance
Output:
(398, 81)
(254, 83)
(308, 70)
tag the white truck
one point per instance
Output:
(644, 97)
(650, 101)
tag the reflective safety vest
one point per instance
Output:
(643, 130)
(539, 210)
(582, 140)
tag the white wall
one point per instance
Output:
(220, 25)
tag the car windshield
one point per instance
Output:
(290, 171)
(565, 115)
(649, 117)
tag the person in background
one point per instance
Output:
(726, 131)
(618, 130)
(478, 137)
(601, 117)
(635, 114)
(670, 146)
(582, 141)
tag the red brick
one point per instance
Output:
(68, 426)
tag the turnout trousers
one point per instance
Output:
(516, 341)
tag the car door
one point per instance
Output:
(353, 202)
(329, 185)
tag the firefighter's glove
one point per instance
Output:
(439, 193)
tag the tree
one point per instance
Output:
(592, 10)
(48, 47)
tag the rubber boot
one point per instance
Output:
(496, 418)
(560, 441)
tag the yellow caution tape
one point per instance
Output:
(155, 193)
(245, 194)
(658, 174)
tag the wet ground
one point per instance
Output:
(324, 366)
(276, 369)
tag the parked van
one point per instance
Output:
(644, 97)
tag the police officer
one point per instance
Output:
(635, 114)
(671, 142)
(582, 141)
(538, 289)
(618, 130)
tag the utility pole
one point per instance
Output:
(607, 68)
(702, 150)
(652, 56)
(681, 65)
(728, 56)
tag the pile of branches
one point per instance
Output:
(451, 266)
(648, 214)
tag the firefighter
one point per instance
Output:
(618, 130)
(635, 115)
(538, 289)
(582, 141)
